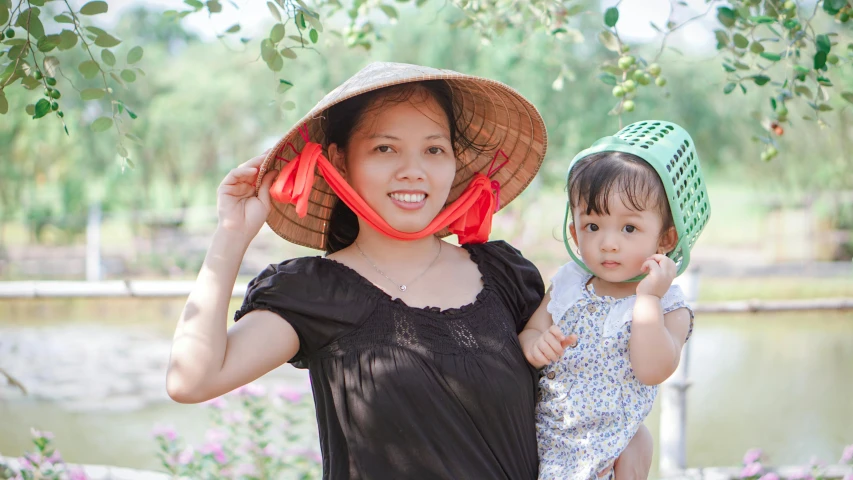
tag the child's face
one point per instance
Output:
(401, 162)
(615, 246)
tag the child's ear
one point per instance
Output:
(574, 233)
(668, 241)
(336, 157)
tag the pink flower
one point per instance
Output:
(187, 456)
(252, 390)
(847, 455)
(214, 449)
(233, 417)
(215, 435)
(269, 451)
(816, 462)
(769, 476)
(38, 434)
(849, 476)
(289, 394)
(753, 455)
(166, 432)
(217, 403)
(751, 470)
(54, 457)
(77, 474)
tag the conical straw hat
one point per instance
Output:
(496, 115)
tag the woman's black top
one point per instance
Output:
(404, 392)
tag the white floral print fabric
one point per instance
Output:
(590, 404)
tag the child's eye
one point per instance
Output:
(592, 227)
(435, 150)
(629, 229)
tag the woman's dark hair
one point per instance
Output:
(595, 177)
(341, 120)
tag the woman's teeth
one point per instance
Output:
(408, 197)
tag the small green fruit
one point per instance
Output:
(50, 81)
(54, 106)
(55, 94)
(60, 114)
(844, 17)
(772, 152)
(765, 157)
(654, 69)
(618, 91)
(790, 5)
(629, 85)
(660, 82)
(626, 61)
(10, 33)
(832, 59)
(38, 75)
(628, 106)
(782, 110)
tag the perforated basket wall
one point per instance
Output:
(670, 150)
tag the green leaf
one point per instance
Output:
(760, 79)
(101, 124)
(134, 55)
(122, 152)
(47, 43)
(824, 81)
(388, 10)
(283, 86)
(313, 35)
(128, 76)
(824, 108)
(300, 19)
(607, 79)
(107, 41)
(743, 88)
(274, 11)
(819, 60)
(762, 19)
(4, 104)
(30, 109)
(67, 40)
(94, 8)
(116, 78)
(130, 113)
(608, 40)
(35, 28)
(729, 88)
(233, 28)
(62, 18)
(741, 41)
(108, 57)
(267, 50)
(92, 94)
(196, 4)
(823, 43)
(773, 103)
(130, 163)
(804, 91)
(133, 138)
(288, 105)
(722, 38)
(729, 68)
(97, 31)
(847, 96)
(832, 7)
(314, 22)
(276, 64)
(277, 33)
(289, 53)
(611, 16)
(42, 108)
(89, 68)
(213, 6)
(775, 57)
(756, 47)
(727, 17)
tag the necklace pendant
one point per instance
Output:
(402, 288)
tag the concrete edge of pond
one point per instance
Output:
(102, 472)
(827, 472)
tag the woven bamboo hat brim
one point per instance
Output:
(496, 114)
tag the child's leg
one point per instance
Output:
(635, 462)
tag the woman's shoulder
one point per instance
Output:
(499, 252)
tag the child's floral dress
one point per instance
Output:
(590, 403)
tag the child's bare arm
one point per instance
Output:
(541, 341)
(656, 339)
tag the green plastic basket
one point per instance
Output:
(669, 149)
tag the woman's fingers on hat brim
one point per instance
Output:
(241, 175)
(266, 183)
(238, 190)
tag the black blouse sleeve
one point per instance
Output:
(311, 295)
(515, 277)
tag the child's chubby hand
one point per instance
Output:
(549, 347)
(661, 272)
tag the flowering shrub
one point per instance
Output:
(754, 470)
(255, 436)
(45, 463)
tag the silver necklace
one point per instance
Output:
(401, 286)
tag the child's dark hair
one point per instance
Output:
(342, 119)
(595, 177)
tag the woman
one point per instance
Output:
(411, 342)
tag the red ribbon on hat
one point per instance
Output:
(469, 216)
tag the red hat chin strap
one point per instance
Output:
(469, 217)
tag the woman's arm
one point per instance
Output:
(207, 359)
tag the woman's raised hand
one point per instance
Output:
(239, 210)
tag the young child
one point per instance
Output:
(634, 214)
